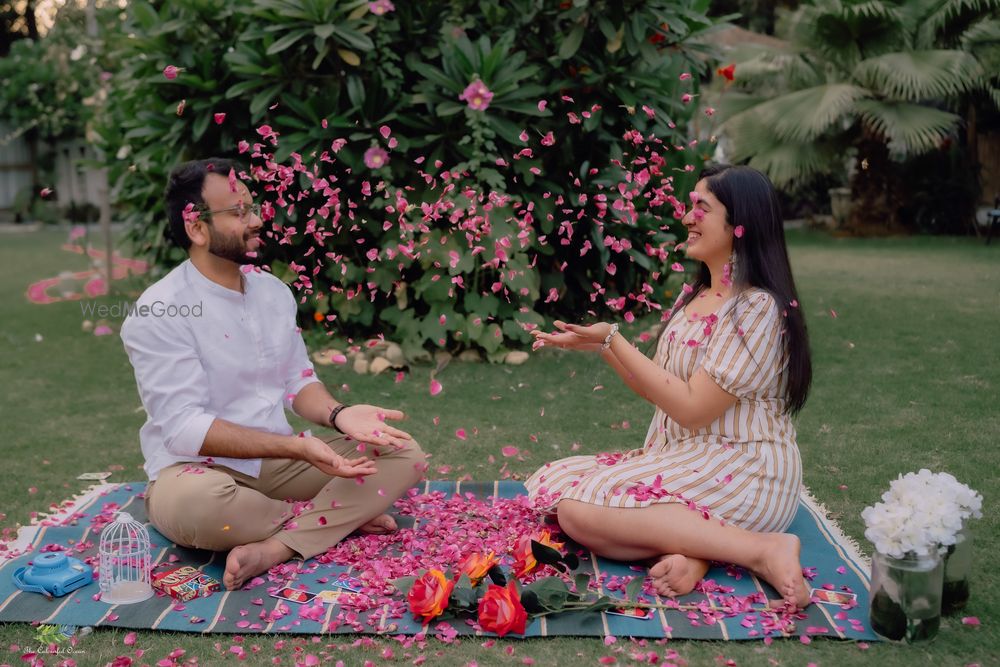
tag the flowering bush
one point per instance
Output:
(919, 513)
(496, 232)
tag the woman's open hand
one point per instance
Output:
(574, 336)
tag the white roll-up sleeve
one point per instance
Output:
(300, 371)
(172, 382)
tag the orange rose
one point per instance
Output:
(500, 610)
(428, 597)
(476, 565)
(524, 560)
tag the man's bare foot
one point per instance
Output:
(675, 574)
(252, 559)
(380, 525)
(780, 566)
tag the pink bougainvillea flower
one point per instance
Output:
(510, 450)
(970, 620)
(548, 139)
(376, 158)
(684, 76)
(220, 118)
(435, 387)
(477, 96)
(460, 434)
(542, 104)
(381, 7)
(171, 72)
(686, 98)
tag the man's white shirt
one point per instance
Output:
(201, 351)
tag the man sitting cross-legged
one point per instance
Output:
(218, 358)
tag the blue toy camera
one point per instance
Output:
(53, 574)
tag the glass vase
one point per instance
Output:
(906, 596)
(957, 567)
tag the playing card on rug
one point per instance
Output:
(348, 582)
(824, 596)
(295, 595)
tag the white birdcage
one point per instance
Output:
(125, 561)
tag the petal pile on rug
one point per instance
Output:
(439, 524)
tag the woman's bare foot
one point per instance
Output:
(779, 565)
(380, 525)
(252, 559)
(675, 574)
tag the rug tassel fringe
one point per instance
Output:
(26, 534)
(850, 545)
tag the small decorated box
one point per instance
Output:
(185, 583)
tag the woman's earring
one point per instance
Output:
(729, 271)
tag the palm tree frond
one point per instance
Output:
(806, 114)
(918, 75)
(938, 21)
(909, 128)
(790, 163)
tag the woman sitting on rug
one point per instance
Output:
(718, 477)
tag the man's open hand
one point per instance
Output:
(318, 453)
(367, 423)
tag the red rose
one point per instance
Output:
(428, 597)
(500, 610)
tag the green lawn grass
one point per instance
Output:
(906, 376)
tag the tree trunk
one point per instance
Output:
(29, 20)
(875, 189)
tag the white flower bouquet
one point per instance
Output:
(920, 512)
(914, 529)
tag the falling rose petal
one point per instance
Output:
(385, 131)
(833, 313)
(738, 232)
(509, 451)
(970, 620)
(170, 72)
(220, 118)
(460, 434)
(45, 192)
(338, 359)
(542, 104)
(399, 376)
(129, 639)
(435, 387)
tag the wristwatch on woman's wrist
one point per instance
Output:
(333, 416)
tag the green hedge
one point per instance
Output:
(318, 71)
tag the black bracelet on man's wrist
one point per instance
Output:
(333, 416)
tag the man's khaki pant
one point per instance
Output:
(214, 507)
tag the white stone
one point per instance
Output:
(516, 358)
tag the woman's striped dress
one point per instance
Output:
(744, 468)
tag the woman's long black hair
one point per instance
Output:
(761, 261)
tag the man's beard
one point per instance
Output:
(232, 248)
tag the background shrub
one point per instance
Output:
(316, 71)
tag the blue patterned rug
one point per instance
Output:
(718, 612)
